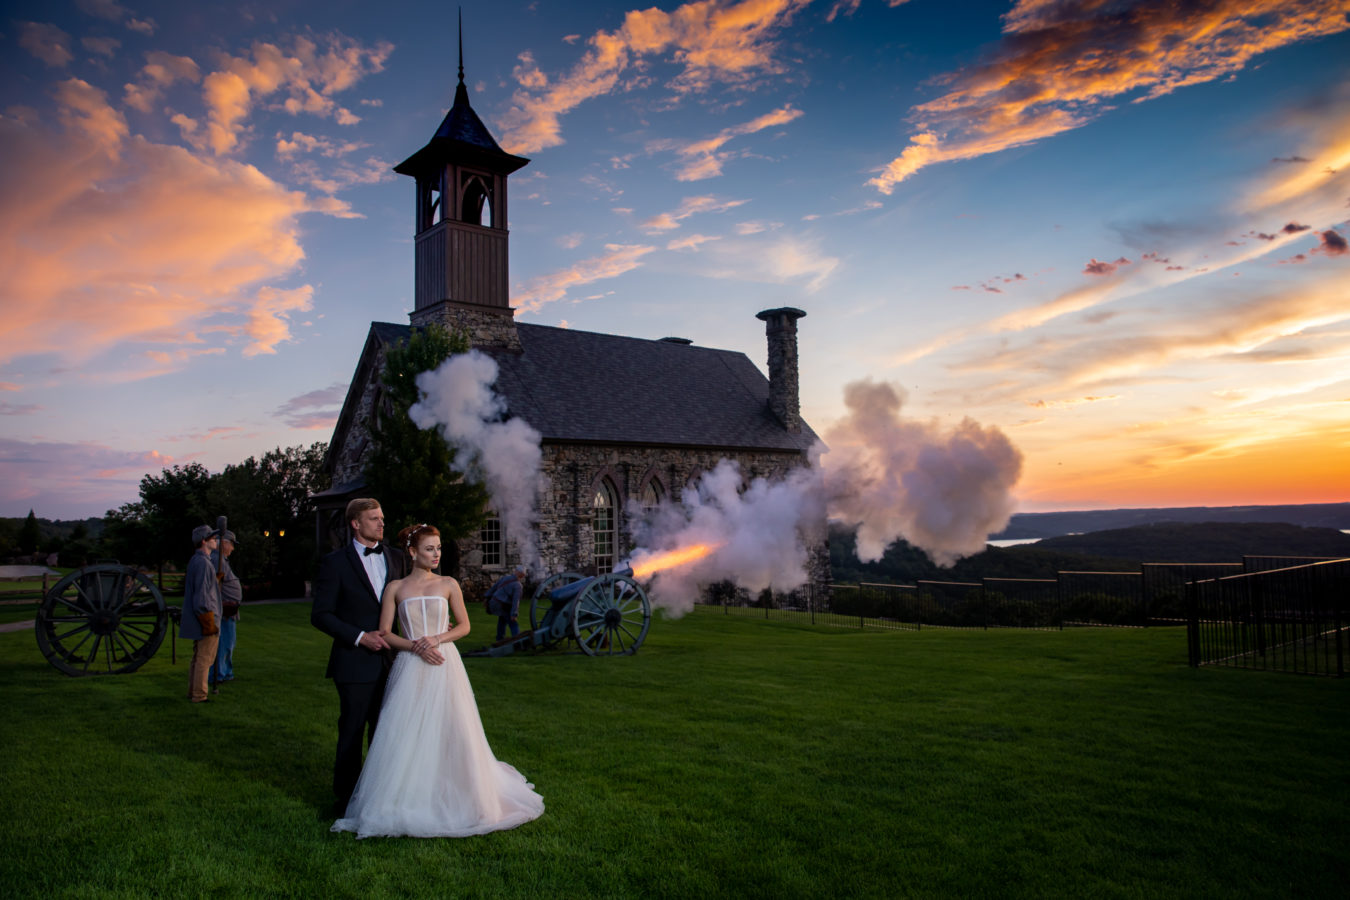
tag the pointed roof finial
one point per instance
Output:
(461, 45)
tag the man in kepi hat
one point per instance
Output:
(231, 594)
(201, 611)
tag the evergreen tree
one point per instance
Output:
(29, 534)
(411, 471)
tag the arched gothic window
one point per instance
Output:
(604, 525)
(476, 205)
(651, 496)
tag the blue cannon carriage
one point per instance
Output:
(607, 615)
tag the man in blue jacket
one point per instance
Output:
(504, 601)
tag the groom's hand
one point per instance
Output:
(374, 640)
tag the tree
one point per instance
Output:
(29, 534)
(158, 528)
(267, 504)
(411, 470)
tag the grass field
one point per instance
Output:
(730, 757)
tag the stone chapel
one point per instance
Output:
(578, 389)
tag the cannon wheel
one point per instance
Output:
(541, 603)
(611, 617)
(101, 620)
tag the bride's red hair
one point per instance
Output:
(410, 537)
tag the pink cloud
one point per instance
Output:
(70, 480)
(617, 259)
(1097, 267)
(317, 409)
(1333, 243)
(46, 42)
(146, 241)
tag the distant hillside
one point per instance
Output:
(1203, 542)
(1114, 550)
(1053, 524)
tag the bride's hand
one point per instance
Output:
(430, 655)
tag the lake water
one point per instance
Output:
(1013, 542)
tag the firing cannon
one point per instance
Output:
(102, 620)
(607, 615)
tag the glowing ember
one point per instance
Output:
(670, 559)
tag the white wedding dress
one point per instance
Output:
(430, 771)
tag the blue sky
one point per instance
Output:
(1114, 231)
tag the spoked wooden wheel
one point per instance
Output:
(542, 602)
(101, 620)
(611, 617)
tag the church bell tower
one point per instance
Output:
(461, 266)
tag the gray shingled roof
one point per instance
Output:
(602, 388)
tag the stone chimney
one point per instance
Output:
(780, 326)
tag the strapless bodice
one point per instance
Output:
(421, 616)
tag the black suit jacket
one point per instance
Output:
(345, 605)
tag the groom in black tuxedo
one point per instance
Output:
(347, 607)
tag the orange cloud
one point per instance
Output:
(160, 72)
(618, 259)
(109, 239)
(711, 41)
(1061, 61)
(690, 242)
(269, 317)
(668, 221)
(702, 159)
(309, 73)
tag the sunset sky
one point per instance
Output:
(1116, 231)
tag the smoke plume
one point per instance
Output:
(757, 536)
(944, 491)
(501, 454)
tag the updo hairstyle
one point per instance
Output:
(412, 536)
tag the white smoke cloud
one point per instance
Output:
(944, 491)
(759, 534)
(503, 455)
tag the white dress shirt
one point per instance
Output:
(377, 570)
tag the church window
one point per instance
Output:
(490, 540)
(604, 506)
(651, 496)
(477, 202)
(430, 209)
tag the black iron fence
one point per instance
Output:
(1290, 619)
(1156, 595)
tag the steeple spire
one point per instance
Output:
(461, 45)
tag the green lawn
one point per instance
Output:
(730, 757)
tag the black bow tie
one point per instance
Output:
(371, 551)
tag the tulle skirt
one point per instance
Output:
(430, 771)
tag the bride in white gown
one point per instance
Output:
(430, 771)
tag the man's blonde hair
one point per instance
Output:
(358, 506)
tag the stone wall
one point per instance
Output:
(349, 460)
(573, 474)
